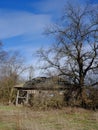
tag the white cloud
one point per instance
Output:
(19, 23)
(15, 23)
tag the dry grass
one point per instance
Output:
(22, 118)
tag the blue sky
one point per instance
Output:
(22, 23)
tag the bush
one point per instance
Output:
(47, 102)
(88, 100)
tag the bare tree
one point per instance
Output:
(10, 72)
(75, 53)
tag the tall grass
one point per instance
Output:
(23, 118)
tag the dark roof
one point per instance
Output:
(44, 83)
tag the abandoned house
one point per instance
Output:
(44, 86)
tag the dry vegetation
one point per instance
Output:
(22, 118)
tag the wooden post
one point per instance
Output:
(17, 97)
(27, 98)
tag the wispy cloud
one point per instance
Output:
(14, 23)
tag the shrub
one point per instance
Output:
(47, 102)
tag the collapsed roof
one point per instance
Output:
(44, 83)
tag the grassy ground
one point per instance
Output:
(22, 118)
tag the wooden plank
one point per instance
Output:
(17, 97)
(27, 98)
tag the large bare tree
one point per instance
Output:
(74, 55)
